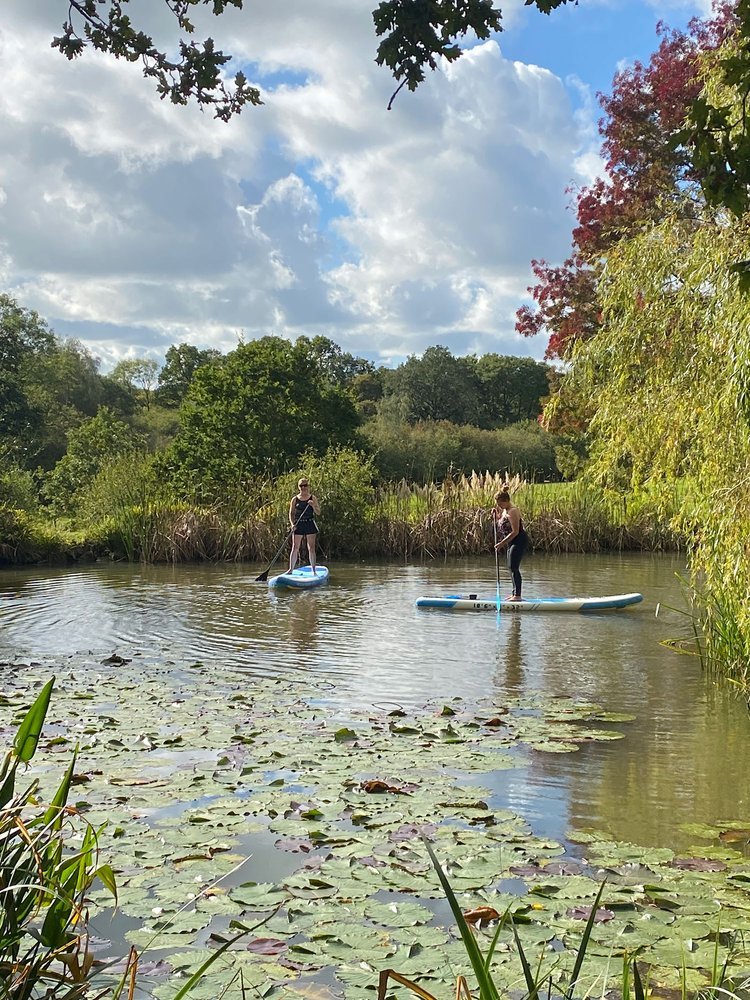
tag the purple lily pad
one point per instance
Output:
(525, 871)
(584, 912)
(372, 862)
(698, 865)
(266, 946)
(410, 831)
(563, 868)
(294, 845)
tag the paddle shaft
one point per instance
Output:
(497, 559)
(264, 575)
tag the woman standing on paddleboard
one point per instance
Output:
(513, 537)
(303, 509)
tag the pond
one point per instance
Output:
(682, 761)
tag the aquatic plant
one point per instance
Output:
(215, 762)
(481, 964)
(43, 884)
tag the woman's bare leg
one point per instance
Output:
(294, 554)
(311, 551)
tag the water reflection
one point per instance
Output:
(301, 612)
(682, 760)
(510, 673)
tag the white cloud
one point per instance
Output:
(134, 224)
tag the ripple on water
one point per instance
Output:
(363, 634)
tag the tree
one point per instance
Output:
(437, 386)
(512, 388)
(180, 365)
(667, 382)
(416, 33)
(339, 367)
(419, 32)
(717, 129)
(138, 374)
(91, 446)
(65, 386)
(648, 168)
(256, 413)
(196, 75)
(24, 338)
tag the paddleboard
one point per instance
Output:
(472, 602)
(301, 578)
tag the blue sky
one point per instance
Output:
(131, 224)
(589, 41)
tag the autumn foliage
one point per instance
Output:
(646, 171)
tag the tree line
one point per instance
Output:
(211, 421)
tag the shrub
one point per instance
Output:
(18, 489)
(342, 480)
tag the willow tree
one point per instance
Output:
(667, 381)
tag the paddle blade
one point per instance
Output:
(262, 578)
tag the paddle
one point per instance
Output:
(497, 560)
(264, 575)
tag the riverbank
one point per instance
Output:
(394, 521)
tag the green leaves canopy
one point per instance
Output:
(416, 33)
(266, 404)
(667, 381)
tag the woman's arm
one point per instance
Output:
(292, 521)
(315, 504)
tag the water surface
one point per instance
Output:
(683, 760)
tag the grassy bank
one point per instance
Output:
(395, 520)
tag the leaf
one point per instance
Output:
(481, 915)
(27, 737)
(697, 865)
(344, 735)
(267, 946)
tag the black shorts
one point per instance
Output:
(306, 528)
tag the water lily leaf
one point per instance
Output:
(266, 946)
(562, 868)
(584, 912)
(145, 938)
(736, 836)
(294, 845)
(396, 914)
(258, 896)
(697, 865)
(344, 735)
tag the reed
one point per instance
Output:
(44, 884)
(549, 976)
(130, 514)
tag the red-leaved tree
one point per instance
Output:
(645, 169)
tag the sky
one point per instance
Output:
(131, 224)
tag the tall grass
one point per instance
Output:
(129, 515)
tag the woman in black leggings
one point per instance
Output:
(513, 538)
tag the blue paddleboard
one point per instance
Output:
(301, 578)
(472, 602)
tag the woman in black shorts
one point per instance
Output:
(303, 509)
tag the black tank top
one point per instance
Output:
(520, 537)
(303, 512)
